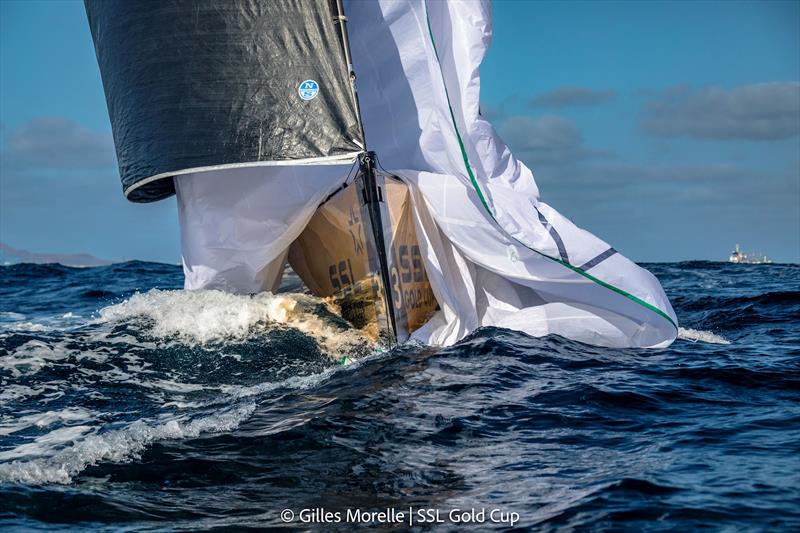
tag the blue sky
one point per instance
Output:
(670, 129)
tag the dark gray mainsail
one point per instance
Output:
(206, 84)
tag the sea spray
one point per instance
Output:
(212, 316)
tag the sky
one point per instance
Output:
(669, 129)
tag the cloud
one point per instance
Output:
(627, 184)
(57, 143)
(59, 191)
(492, 112)
(572, 96)
(548, 140)
(764, 111)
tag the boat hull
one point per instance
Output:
(337, 257)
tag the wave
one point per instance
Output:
(738, 302)
(211, 316)
(696, 335)
(113, 446)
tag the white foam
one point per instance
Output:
(30, 357)
(696, 335)
(12, 392)
(45, 444)
(16, 322)
(294, 383)
(27, 326)
(115, 446)
(42, 420)
(208, 316)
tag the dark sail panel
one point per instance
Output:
(192, 84)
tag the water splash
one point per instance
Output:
(212, 316)
(696, 335)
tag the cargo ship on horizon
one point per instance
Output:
(739, 256)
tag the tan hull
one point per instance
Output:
(336, 258)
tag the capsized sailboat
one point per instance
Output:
(248, 111)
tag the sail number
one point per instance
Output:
(411, 270)
(410, 264)
(341, 277)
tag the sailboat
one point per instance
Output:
(274, 123)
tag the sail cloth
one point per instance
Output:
(237, 224)
(205, 85)
(494, 252)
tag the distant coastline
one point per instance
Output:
(10, 255)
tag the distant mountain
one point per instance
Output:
(10, 255)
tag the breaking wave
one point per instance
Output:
(159, 365)
(212, 316)
(113, 446)
(695, 335)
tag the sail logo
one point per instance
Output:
(308, 90)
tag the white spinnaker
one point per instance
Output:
(495, 254)
(237, 224)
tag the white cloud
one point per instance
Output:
(58, 143)
(763, 111)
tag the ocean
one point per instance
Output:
(129, 404)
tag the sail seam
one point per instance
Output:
(474, 181)
(344, 159)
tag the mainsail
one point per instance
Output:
(196, 85)
(242, 106)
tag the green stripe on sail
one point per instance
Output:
(474, 181)
(453, 118)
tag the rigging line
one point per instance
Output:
(343, 186)
(350, 173)
(380, 166)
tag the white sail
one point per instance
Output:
(236, 228)
(495, 253)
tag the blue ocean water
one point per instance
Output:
(126, 403)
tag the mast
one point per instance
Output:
(341, 20)
(373, 196)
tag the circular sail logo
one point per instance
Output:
(308, 90)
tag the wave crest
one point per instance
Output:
(696, 335)
(209, 316)
(116, 446)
